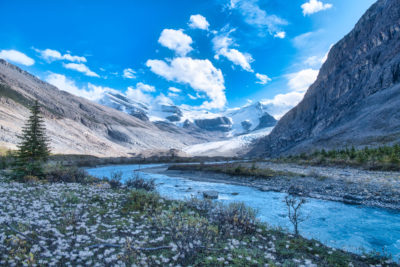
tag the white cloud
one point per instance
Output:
(303, 40)
(313, 61)
(262, 78)
(16, 57)
(170, 94)
(140, 93)
(221, 45)
(174, 90)
(300, 81)
(192, 97)
(201, 75)
(282, 103)
(91, 92)
(137, 95)
(317, 61)
(198, 22)
(51, 55)
(314, 6)
(145, 87)
(258, 17)
(129, 73)
(281, 35)
(161, 99)
(81, 68)
(176, 40)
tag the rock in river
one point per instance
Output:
(210, 194)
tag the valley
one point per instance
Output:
(182, 151)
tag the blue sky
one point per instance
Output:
(209, 54)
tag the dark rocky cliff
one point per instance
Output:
(356, 97)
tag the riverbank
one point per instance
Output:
(45, 224)
(348, 185)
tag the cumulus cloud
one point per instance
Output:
(300, 81)
(198, 22)
(145, 87)
(201, 75)
(141, 93)
(16, 57)
(91, 92)
(262, 78)
(281, 35)
(129, 73)
(176, 40)
(174, 90)
(138, 95)
(258, 17)
(222, 45)
(161, 99)
(52, 55)
(282, 103)
(81, 68)
(314, 6)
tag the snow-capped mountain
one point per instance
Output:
(250, 118)
(232, 122)
(118, 101)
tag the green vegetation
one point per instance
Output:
(7, 158)
(386, 158)
(234, 169)
(33, 151)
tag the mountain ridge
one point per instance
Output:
(360, 77)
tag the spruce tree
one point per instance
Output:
(33, 149)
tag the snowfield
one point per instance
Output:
(231, 147)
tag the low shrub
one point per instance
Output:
(189, 234)
(115, 180)
(6, 160)
(138, 183)
(235, 217)
(61, 174)
(141, 200)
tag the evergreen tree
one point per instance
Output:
(33, 149)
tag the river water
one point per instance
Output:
(352, 228)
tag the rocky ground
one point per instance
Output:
(44, 224)
(353, 186)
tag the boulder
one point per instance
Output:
(210, 194)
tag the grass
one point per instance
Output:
(142, 228)
(234, 169)
(384, 158)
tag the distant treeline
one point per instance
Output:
(379, 158)
(7, 158)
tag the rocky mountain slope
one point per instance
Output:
(78, 126)
(356, 97)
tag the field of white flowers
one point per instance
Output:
(68, 224)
